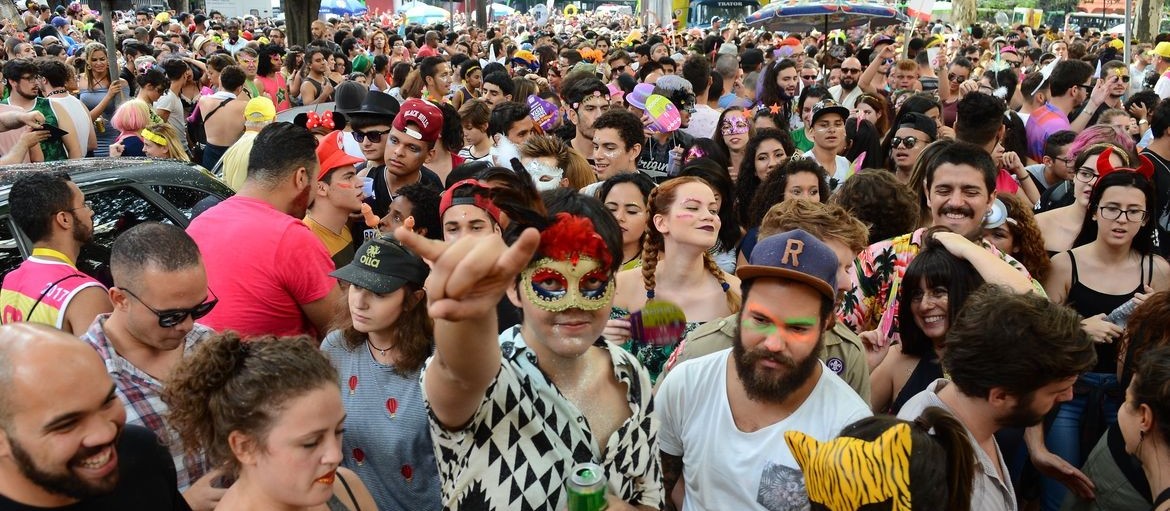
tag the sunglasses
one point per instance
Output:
(956, 78)
(849, 71)
(904, 142)
(374, 136)
(1013, 63)
(809, 77)
(172, 317)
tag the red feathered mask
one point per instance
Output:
(571, 237)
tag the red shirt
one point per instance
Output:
(262, 264)
(427, 51)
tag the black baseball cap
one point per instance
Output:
(383, 265)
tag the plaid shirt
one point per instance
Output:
(141, 394)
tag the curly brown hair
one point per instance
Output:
(229, 384)
(888, 207)
(1027, 240)
(1146, 330)
(774, 187)
(826, 222)
(414, 331)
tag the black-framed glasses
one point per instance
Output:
(1114, 213)
(1088, 88)
(375, 136)
(172, 317)
(906, 142)
(1068, 162)
(1086, 175)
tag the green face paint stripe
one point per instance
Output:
(802, 321)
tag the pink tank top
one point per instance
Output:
(51, 281)
(277, 90)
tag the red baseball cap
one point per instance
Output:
(426, 117)
(331, 154)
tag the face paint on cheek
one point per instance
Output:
(800, 329)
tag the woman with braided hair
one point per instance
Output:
(676, 267)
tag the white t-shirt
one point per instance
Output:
(726, 468)
(1162, 87)
(176, 118)
(703, 122)
(80, 116)
(849, 100)
(840, 173)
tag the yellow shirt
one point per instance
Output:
(340, 245)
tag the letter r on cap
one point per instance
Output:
(793, 249)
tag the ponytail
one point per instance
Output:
(952, 437)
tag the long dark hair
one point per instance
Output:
(938, 441)
(1143, 243)
(863, 137)
(938, 268)
(748, 181)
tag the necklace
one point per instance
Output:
(381, 351)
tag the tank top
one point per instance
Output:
(276, 89)
(106, 134)
(335, 504)
(41, 288)
(54, 150)
(926, 371)
(1089, 302)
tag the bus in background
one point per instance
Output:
(699, 13)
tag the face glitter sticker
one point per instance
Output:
(556, 285)
(734, 126)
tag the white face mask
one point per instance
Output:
(544, 176)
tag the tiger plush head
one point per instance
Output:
(885, 464)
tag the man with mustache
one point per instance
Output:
(1007, 373)
(723, 416)
(270, 272)
(48, 288)
(847, 92)
(960, 188)
(64, 442)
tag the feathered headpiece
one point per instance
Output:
(571, 237)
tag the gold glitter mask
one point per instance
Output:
(556, 285)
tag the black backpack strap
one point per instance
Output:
(216, 109)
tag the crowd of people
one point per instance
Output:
(732, 268)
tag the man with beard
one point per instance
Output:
(1006, 373)
(724, 415)
(270, 272)
(960, 188)
(47, 287)
(64, 442)
(847, 92)
(22, 77)
(160, 292)
(515, 412)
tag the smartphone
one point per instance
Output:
(55, 133)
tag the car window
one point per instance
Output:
(183, 198)
(114, 211)
(10, 256)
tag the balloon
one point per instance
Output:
(665, 115)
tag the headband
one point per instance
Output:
(153, 137)
(324, 120)
(1145, 168)
(478, 201)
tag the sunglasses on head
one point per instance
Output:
(375, 136)
(172, 317)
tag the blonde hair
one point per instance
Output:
(653, 243)
(174, 146)
(575, 166)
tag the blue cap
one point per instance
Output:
(794, 255)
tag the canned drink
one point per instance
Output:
(586, 487)
(100, 125)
